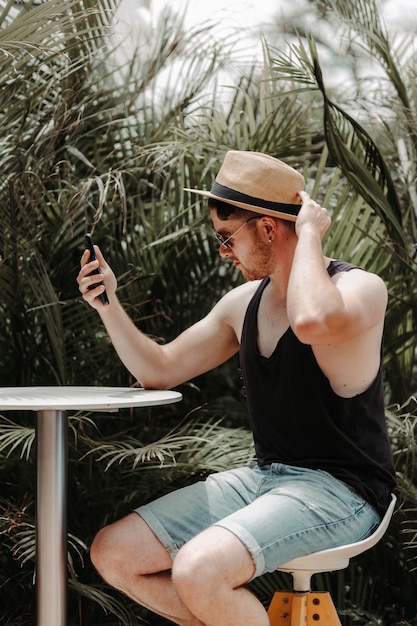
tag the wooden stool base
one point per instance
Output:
(291, 608)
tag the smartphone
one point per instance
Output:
(90, 247)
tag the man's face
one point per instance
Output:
(241, 243)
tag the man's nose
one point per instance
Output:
(224, 251)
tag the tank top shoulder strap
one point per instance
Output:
(336, 266)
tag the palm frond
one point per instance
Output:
(195, 447)
(402, 424)
(16, 437)
(363, 18)
(102, 596)
(350, 145)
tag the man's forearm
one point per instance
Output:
(142, 356)
(312, 297)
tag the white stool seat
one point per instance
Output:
(333, 559)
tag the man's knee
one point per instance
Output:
(212, 563)
(98, 547)
(101, 553)
(191, 572)
(113, 547)
(128, 548)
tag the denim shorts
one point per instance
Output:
(278, 512)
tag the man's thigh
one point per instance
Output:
(182, 514)
(278, 513)
(297, 512)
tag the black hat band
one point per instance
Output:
(226, 193)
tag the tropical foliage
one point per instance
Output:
(94, 141)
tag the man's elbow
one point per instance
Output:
(305, 330)
(312, 330)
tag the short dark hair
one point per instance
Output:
(224, 210)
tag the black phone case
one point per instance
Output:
(90, 247)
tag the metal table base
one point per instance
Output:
(51, 517)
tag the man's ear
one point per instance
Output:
(268, 228)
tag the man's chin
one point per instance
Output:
(252, 275)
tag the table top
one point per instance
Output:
(82, 398)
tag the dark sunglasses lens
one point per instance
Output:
(222, 240)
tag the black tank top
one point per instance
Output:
(297, 419)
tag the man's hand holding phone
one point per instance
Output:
(82, 275)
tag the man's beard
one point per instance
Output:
(261, 264)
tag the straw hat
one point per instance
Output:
(257, 182)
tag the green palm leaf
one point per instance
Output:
(350, 145)
(16, 438)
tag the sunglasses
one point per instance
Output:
(226, 241)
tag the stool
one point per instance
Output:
(303, 607)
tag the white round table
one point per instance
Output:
(51, 405)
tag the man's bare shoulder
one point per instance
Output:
(244, 292)
(232, 306)
(369, 289)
